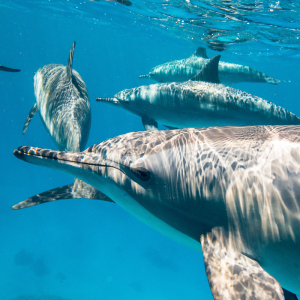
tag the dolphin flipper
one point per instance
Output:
(209, 72)
(149, 124)
(289, 295)
(232, 275)
(6, 69)
(29, 117)
(78, 189)
(171, 127)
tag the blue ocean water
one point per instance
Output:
(83, 249)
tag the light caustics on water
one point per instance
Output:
(218, 23)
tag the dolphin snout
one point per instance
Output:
(24, 151)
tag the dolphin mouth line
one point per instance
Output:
(25, 150)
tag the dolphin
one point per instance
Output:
(6, 69)
(185, 69)
(63, 103)
(124, 2)
(232, 192)
(194, 103)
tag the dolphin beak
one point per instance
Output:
(113, 101)
(74, 163)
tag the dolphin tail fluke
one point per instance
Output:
(76, 190)
(209, 72)
(70, 61)
(29, 117)
(6, 69)
(144, 76)
(233, 275)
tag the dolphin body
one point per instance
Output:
(185, 69)
(233, 192)
(194, 103)
(63, 103)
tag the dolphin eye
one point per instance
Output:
(142, 173)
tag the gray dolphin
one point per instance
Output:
(185, 69)
(194, 103)
(233, 192)
(63, 103)
(6, 69)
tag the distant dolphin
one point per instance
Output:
(185, 69)
(63, 103)
(6, 69)
(124, 2)
(193, 104)
(235, 189)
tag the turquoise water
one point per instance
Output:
(83, 249)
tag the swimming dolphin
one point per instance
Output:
(185, 69)
(6, 69)
(235, 189)
(194, 103)
(124, 2)
(63, 103)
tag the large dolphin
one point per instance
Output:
(63, 103)
(185, 69)
(233, 192)
(7, 69)
(194, 103)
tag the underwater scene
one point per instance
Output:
(170, 130)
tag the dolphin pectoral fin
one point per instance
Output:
(76, 190)
(170, 127)
(232, 275)
(6, 69)
(29, 117)
(70, 62)
(200, 52)
(289, 295)
(209, 72)
(149, 124)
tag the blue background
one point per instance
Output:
(82, 249)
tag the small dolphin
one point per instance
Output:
(124, 2)
(193, 104)
(63, 103)
(185, 69)
(6, 69)
(232, 192)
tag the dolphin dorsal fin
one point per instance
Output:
(70, 61)
(200, 52)
(209, 72)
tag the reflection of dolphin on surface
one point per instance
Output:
(185, 69)
(194, 103)
(235, 189)
(64, 106)
(6, 69)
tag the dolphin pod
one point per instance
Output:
(202, 101)
(63, 103)
(185, 69)
(232, 192)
